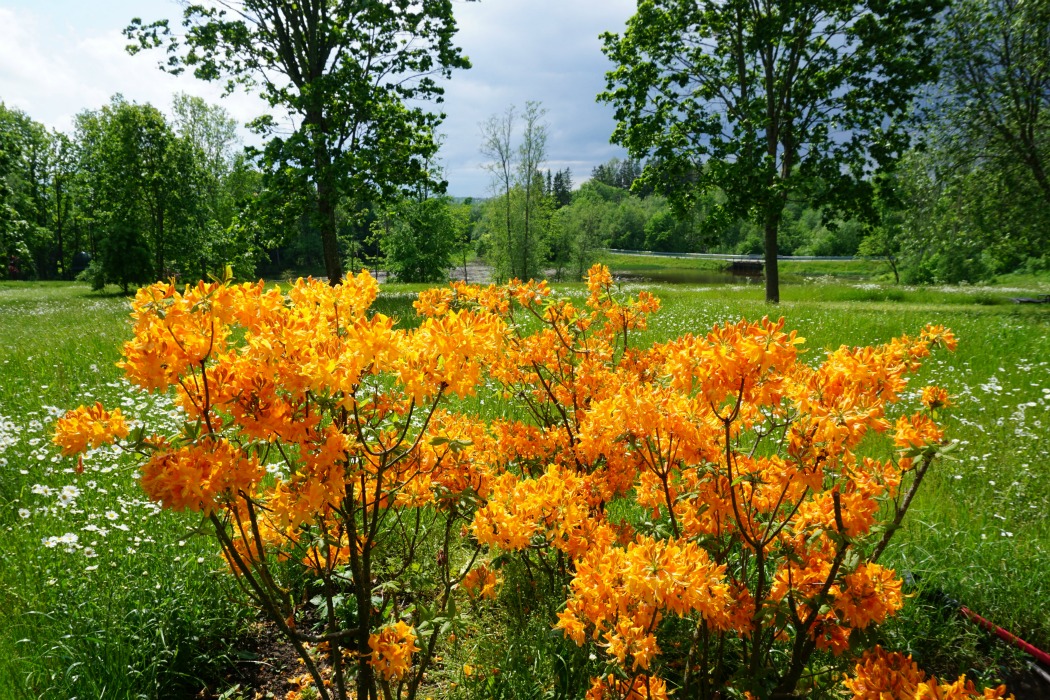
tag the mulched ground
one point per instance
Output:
(266, 664)
(1028, 685)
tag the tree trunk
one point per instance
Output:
(326, 202)
(510, 237)
(525, 238)
(62, 272)
(160, 245)
(772, 223)
(327, 199)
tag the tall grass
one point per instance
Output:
(103, 598)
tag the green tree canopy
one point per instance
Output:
(995, 97)
(141, 179)
(419, 238)
(764, 99)
(25, 164)
(352, 76)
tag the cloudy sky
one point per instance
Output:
(59, 57)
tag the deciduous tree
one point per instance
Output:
(141, 182)
(996, 84)
(351, 75)
(496, 136)
(24, 157)
(418, 238)
(762, 99)
(531, 153)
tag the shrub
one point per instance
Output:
(328, 447)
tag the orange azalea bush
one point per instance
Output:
(88, 427)
(322, 440)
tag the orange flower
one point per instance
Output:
(882, 675)
(870, 595)
(934, 397)
(88, 427)
(392, 649)
(623, 594)
(917, 431)
(481, 582)
(939, 335)
(637, 688)
(198, 476)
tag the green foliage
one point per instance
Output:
(617, 173)
(25, 155)
(976, 201)
(516, 242)
(141, 178)
(179, 184)
(667, 232)
(123, 258)
(559, 188)
(766, 102)
(607, 215)
(578, 232)
(360, 134)
(508, 248)
(996, 90)
(419, 239)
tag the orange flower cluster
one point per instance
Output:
(198, 475)
(935, 397)
(481, 582)
(88, 427)
(882, 675)
(338, 404)
(392, 650)
(624, 593)
(318, 433)
(638, 688)
(554, 509)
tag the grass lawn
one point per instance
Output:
(107, 598)
(103, 597)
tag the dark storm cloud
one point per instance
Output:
(542, 50)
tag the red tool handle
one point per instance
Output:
(1039, 654)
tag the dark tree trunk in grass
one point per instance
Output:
(327, 200)
(766, 101)
(772, 271)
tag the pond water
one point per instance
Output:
(686, 276)
(478, 273)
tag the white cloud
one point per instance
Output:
(545, 50)
(52, 73)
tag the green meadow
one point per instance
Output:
(107, 597)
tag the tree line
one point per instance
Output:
(911, 131)
(138, 194)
